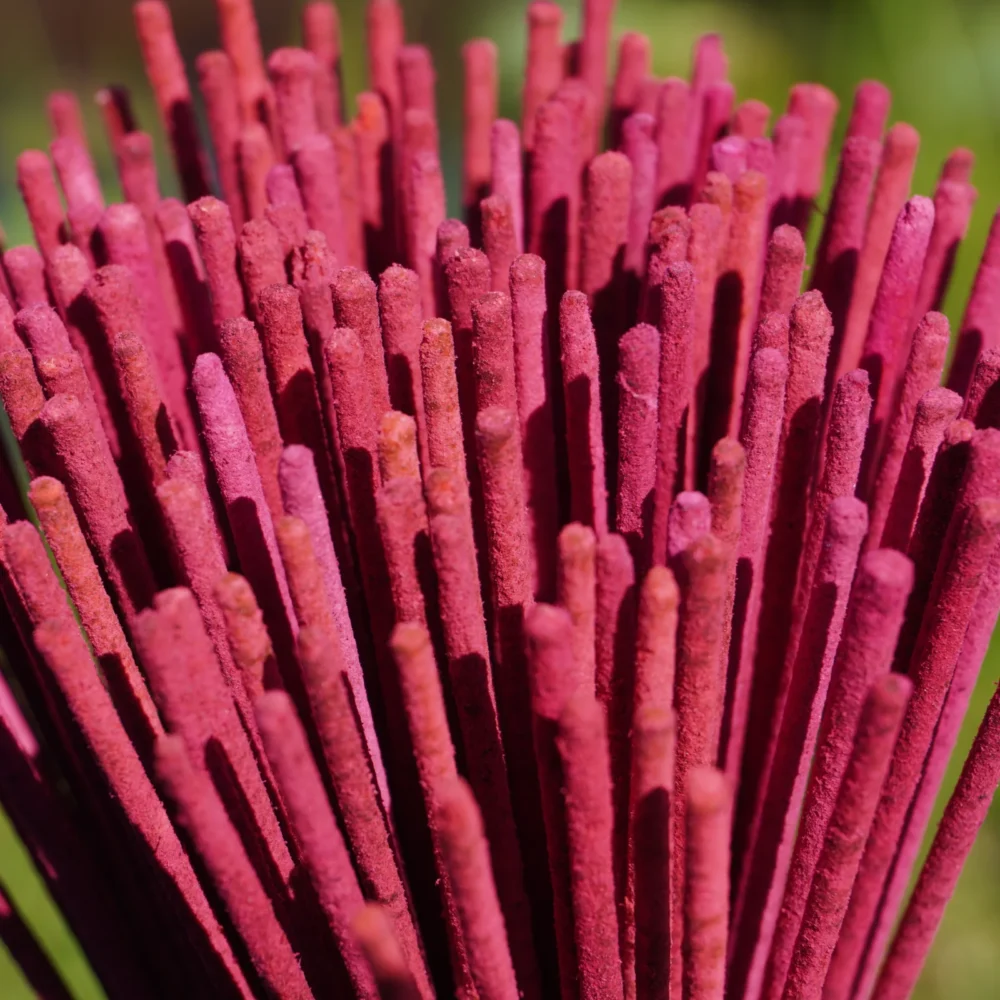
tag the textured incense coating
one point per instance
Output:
(770, 838)
(37, 185)
(759, 436)
(706, 885)
(493, 352)
(356, 305)
(434, 757)
(543, 64)
(479, 108)
(921, 375)
(26, 273)
(978, 329)
(892, 186)
(257, 159)
(856, 802)
(893, 305)
(841, 245)
(165, 69)
(217, 84)
(371, 841)
(381, 948)
(638, 388)
(499, 238)
(99, 499)
(81, 189)
(962, 820)
(690, 519)
(466, 857)
(261, 260)
(675, 387)
(584, 441)
(953, 202)
(783, 268)
(292, 73)
(197, 705)
(638, 143)
(232, 458)
(203, 815)
(809, 339)
(535, 411)
(315, 830)
(936, 410)
(315, 161)
(23, 400)
(213, 229)
(932, 666)
(871, 628)
(321, 36)
(243, 359)
(66, 655)
(631, 70)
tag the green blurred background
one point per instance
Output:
(941, 59)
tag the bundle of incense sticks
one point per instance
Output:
(557, 602)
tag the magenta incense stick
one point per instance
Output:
(559, 600)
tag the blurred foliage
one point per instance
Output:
(941, 59)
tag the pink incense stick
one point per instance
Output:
(750, 119)
(935, 412)
(467, 651)
(37, 185)
(817, 108)
(183, 670)
(783, 267)
(261, 260)
(581, 392)
(869, 110)
(690, 519)
(99, 499)
(554, 192)
(23, 401)
(892, 187)
(365, 821)
(493, 351)
(631, 69)
(857, 800)
(165, 69)
(241, 41)
(809, 339)
(355, 302)
(980, 403)
(479, 109)
(921, 375)
(838, 258)
(581, 743)
(126, 685)
(315, 161)
(765, 866)
(213, 229)
(706, 884)
(217, 84)
(964, 815)
(714, 108)
(978, 330)
(203, 815)
(26, 273)
(760, 435)
(65, 116)
(256, 156)
(426, 212)
(575, 590)
(349, 182)
(870, 630)
(321, 36)
(932, 666)
(677, 119)
(649, 852)
(445, 447)
(638, 143)
(292, 73)
(434, 757)
(543, 64)
(953, 202)
(499, 238)
(315, 830)
(249, 519)
(506, 171)
(371, 130)
(81, 189)
(466, 856)
(400, 309)
(893, 306)
(675, 387)
(638, 388)
(243, 359)
(381, 948)
(249, 643)
(67, 657)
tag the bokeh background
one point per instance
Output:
(941, 59)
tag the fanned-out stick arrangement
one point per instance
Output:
(553, 603)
